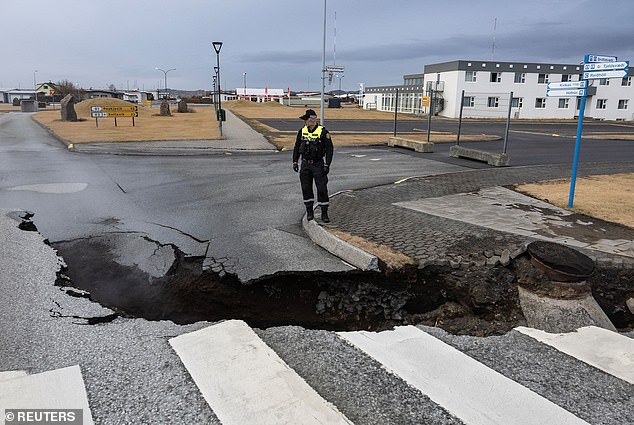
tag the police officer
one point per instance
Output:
(314, 145)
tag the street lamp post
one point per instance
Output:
(217, 45)
(165, 75)
(244, 74)
(214, 96)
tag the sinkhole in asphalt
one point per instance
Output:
(474, 300)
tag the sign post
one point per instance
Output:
(97, 112)
(594, 67)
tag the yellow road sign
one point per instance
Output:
(122, 114)
(120, 108)
(425, 101)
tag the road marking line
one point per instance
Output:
(601, 348)
(12, 374)
(465, 387)
(55, 389)
(244, 381)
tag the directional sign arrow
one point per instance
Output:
(604, 66)
(593, 75)
(566, 93)
(568, 85)
(599, 58)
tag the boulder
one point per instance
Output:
(165, 108)
(182, 106)
(68, 108)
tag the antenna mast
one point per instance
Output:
(334, 57)
(495, 25)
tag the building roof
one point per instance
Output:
(493, 66)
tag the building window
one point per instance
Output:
(493, 102)
(627, 81)
(470, 76)
(540, 103)
(469, 101)
(542, 79)
(563, 103)
(604, 82)
(566, 77)
(623, 103)
(520, 77)
(602, 103)
(578, 103)
(517, 102)
(496, 77)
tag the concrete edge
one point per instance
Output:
(111, 149)
(342, 249)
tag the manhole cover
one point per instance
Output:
(559, 262)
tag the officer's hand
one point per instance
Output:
(295, 167)
(326, 169)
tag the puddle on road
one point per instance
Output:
(475, 300)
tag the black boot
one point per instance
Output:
(310, 214)
(324, 215)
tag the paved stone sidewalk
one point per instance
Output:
(443, 219)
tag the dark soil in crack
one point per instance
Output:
(471, 299)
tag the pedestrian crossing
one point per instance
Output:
(408, 375)
(224, 356)
(243, 379)
(60, 389)
(465, 387)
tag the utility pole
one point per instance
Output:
(323, 70)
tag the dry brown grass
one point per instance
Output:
(252, 112)
(608, 197)
(609, 136)
(8, 107)
(266, 110)
(149, 125)
(392, 259)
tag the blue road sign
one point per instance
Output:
(568, 85)
(566, 93)
(594, 75)
(599, 58)
(605, 66)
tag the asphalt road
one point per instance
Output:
(241, 207)
(244, 208)
(529, 143)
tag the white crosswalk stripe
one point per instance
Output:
(468, 389)
(56, 389)
(245, 382)
(242, 378)
(601, 348)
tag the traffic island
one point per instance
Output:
(417, 145)
(491, 158)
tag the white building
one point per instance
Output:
(260, 95)
(488, 86)
(8, 95)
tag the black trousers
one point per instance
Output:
(314, 171)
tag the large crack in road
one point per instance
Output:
(159, 282)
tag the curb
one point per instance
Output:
(347, 252)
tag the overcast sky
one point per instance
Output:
(278, 43)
